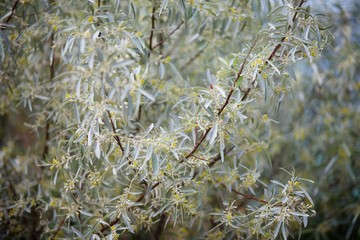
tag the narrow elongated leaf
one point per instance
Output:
(77, 232)
(213, 133)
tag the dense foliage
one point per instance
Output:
(171, 119)
(321, 132)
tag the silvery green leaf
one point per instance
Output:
(55, 176)
(306, 49)
(209, 76)
(161, 70)
(161, 210)
(97, 149)
(77, 232)
(112, 109)
(124, 63)
(293, 52)
(176, 71)
(272, 26)
(91, 60)
(222, 147)
(68, 45)
(208, 103)
(9, 13)
(278, 183)
(146, 94)
(41, 97)
(114, 171)
(306, 32)
(163, 5)
(95, 237)
(86, 213)
(274, 67)
(277, 228)
(290, 21)
(291, 73)
(307, 195)
(136, 41)
(221, 91)
(90, 137)
(213, 133)
(51, 58)
(300, 214)
(110, 17)
(148, 130)
(188, 191)
(82, 45)
(283, 231)
(136, 152)
(224, 61)
(148, 154)
(305, 220)
(78, 88)
(127, 222)
(193, 38)
(155, 164)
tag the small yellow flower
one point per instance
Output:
(166, 60)
(55, 163)
(265, 117)
(264, 75)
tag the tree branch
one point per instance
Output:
(283, 39)
(247, 196)
(171, 33)
(12, 11)
(152, 29)
(117, 138)
(58, 229)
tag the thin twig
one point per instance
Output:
(283, 39)
(52, 74)
(224, 105)
(171, 33)
(247, 196)
(47, 137)
(237, 79)
(201, 158)
(152, 29)
(199, 143)
(58, 228)
(117, 138)
(212, 161)
(12, 11)
(116, 220)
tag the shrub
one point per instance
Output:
(150, 119)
